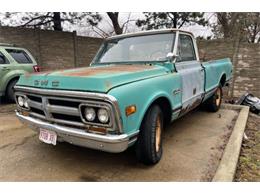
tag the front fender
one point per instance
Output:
(143, 94)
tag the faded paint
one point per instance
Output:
(98, 79)
(111, 69)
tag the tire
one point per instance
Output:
(10, 90)
(149, 143)
(214, 102)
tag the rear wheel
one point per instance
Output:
(149, 143)
(213, 103)
(10, 90)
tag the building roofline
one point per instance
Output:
(148, 32)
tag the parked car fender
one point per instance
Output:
(11, 75)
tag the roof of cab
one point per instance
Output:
(148, 32)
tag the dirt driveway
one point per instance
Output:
(193, 146)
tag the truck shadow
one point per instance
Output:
(101, 162)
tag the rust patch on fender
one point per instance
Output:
(90, 71)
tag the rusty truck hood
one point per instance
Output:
(95, 78)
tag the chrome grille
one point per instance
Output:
(51, 109)
(62, 110)
(60, 106)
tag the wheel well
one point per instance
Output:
(165, 106)
(223, 80)
(15, 78)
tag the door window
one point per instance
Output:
(185, 49)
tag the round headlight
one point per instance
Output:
(103, 115)
(90, 114)
(25, 103)
(20, 101)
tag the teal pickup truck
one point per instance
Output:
(14, 62)
(136, 85)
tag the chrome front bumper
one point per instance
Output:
(108, 143)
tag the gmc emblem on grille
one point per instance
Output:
(44, 82)
(36, 82)
(55, 83)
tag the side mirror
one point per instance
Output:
(171, 56)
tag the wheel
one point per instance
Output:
(10, 90)
(214, 102)
(149, 143)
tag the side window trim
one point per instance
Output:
(179, 48)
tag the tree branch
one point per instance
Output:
(36, 18)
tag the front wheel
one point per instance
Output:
(214, 102)
(149, 143)
(10, 91)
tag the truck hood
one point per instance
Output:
(94, 79)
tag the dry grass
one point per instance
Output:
(249, 161)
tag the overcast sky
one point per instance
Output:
(84, 29)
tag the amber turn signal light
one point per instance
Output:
(130, 110)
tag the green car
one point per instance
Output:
(14, 62)
(136, 85)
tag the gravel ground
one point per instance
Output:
(7, 108)
(249, 161)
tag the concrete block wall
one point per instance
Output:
(52, 49)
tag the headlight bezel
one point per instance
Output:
(96, 107)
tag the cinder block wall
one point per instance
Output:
(59, 50)
(52, 49)
(246, 61)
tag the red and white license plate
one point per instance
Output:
(47, 136)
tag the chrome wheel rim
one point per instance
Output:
(158, 133)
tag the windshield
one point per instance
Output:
(147, 48)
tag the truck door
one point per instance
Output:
(191, 71)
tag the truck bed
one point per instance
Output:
(215, 70)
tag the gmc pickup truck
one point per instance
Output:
(136, 85)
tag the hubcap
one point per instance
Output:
(218, 97)
(158, 133)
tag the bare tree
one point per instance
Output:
(253, 27)
(230, 24)
(157, 20)
(119, 28)
(114, 19)
(51, 20)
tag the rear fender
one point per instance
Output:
(10, 76)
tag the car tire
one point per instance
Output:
(10, 90)
(214, 102)
(149, 143)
